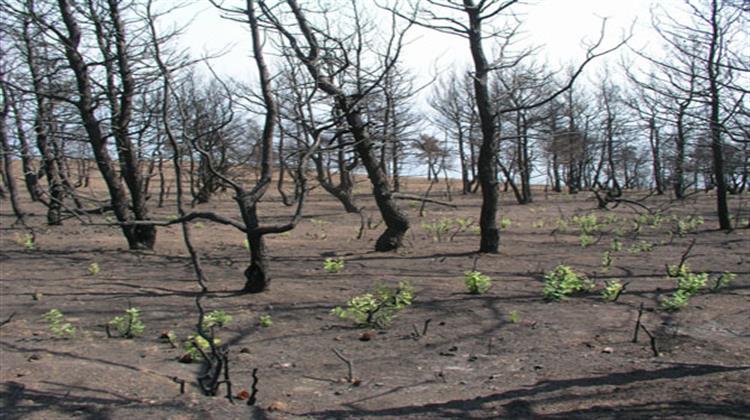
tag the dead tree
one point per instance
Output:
(470, 19)
(307, 50)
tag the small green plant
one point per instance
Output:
(377, 309)
(688, 285)
(476, 282)
(616, 245)
(538, 224)
(674, 271)
(505, 222)
(438, 228)
(94, 268)
(265, 321)
(677, 301)
(514, 317)
(333, 265)
(588, 223)
(170, 337)
(642, 246)
(57, 324)
(216, 318)
(586, 240)
(246, 244)
(692, 283)
(606, 260)
(563, 281)
(196, 346)
(461, 225)
(723, 280)
(26, 240)
(199, 225)
(688, 224)
(612, 290)
(610, 219)
(128, 325)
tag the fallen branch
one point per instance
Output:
(402, 196)
(603, 202)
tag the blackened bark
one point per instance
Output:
(41, 119)
(256, 274)
(7, 153)
(717, 146)
(395, 220)
(487, 167)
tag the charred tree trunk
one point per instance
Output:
(395, 220)
(41, 120)
(487, 166)
(138, 237)
(30, 177)
(655, 142)
(10, 180)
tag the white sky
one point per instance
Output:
(557, 25)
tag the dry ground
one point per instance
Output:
(569, 359)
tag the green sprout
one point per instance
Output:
(586, 240)
(26, 240)
(129, 325)
(196, 347)
(377, 309)
(588, 223)
(504, 223)
(514, 317)
(476, 282)
(612, 290)
(723, 280)
(94, 268)
(688, 285)
(265, 321)
(642, 246)
(216, 318)
(57, 324)
(333, 265)
(438, 228)
(563, 281)
(606, 260)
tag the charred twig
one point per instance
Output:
(416, 334)
(349, 364)
(7, 320)
(253, 388)
(426, 325)
(652, 338)
(180, 382)
(620, 291)
(638, 323)
(402, 196)
(685, 256)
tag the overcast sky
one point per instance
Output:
(559, 26)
